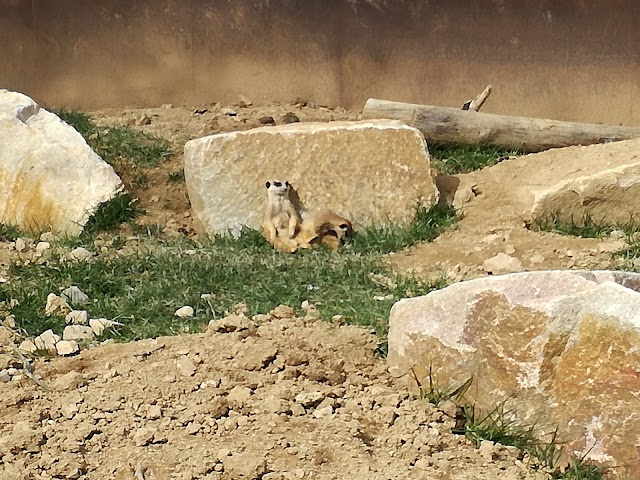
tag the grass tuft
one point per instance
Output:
(586, 227)
(451, 160)
(113, 213)
(426, 226)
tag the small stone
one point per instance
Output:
(486, 449)
(154, 412)
(245, 101)
(166, 106)
(266, 121)
(229, 111)
(186, 366)
(143, 119)
(74, 296)
(4, 376)
(193, 428)
(98, 325)
(77, 317)
(70, 381)
(42, 246)
(245, 466)
(535, 259)
(48, 237)
(610, 247)
(67, 347)
(80, 254)
(290, 117)
(184, 312)
(502, 263)
(509, 249)
(323, 412)
(144, 436)
(21, 245)
(57, 305)
(309, 399)
(28, 346)
(47, 340)
(77, 332)
(239, 395)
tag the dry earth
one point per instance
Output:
(278, 397)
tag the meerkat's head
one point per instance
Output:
(278, 188)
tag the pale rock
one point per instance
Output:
(184, 312)
(21, 244)
(228, 111)
(77, 332)
(5, 376)
(70, 381)
(502, 263)
(154, 412)
(67, 347)
(323, 412)
(99, 325)
(186, 366)
(80, 254)
(46, 341)
(51, 180)
(245, 466)
(535, 259)
(42, 247)
(611, 247)
(486, 449)
(352, 168)
(77, 317)
(48, 237)
(28, 346)
(75, 296)
(602, 181)
(239, 395)
(57, 305)
(144, 436)
(551, 341)
(309, 399)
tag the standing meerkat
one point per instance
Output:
(281, 218)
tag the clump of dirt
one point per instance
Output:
(274, 397)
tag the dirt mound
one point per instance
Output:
(276, 398)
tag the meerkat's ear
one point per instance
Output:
(268, 184)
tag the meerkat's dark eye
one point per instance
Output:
(277, 184)
(286, 184)
(268, 184)
(344, 226)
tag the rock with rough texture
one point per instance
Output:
(502, 263)
(50, 178)
(372, 172)
(77, 332)
(46, 341)
(67, 347)
(184, 312)
(99, 325)
(565, 344)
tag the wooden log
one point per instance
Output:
(446, 126)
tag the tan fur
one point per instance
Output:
(281, 218)
(323, 226)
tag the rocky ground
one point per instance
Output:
(278, 397)
(274, 397)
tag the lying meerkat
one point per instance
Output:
(281, 218)
(323, 226)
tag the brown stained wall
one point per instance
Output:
(564, 59)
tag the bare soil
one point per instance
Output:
(274, 397)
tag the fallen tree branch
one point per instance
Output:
(476, 104)
(445, 125)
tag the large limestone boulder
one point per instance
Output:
(372, 172)
(50, 179)
(564, 344)
(602, 181)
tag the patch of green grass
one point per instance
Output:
(110, 215)
(501, 426)
(436, 395)
(426, 226)
(127, 150)
(450, 160)
(143, 290)
(586, 227)
(9, 233)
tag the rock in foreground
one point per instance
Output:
(372, 172)
(51, 180)
(566, 344)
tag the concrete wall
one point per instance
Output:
(564, 59)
